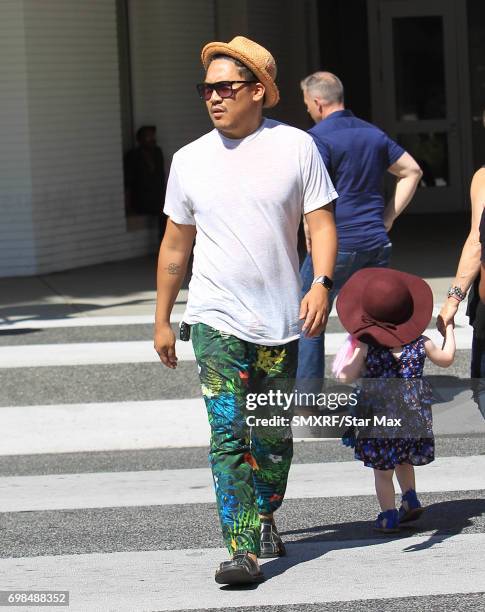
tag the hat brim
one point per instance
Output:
(272, 95)
(350, 309)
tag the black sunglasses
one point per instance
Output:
(224, 89)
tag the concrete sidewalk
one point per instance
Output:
(110, 289)
(422, 244)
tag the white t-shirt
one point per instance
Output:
(246, 198)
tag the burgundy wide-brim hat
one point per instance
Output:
(384, 306)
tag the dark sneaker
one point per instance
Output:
(241, 569)
(270, 543)
(387, 522)
(411, 508)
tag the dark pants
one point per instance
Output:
(311, 351)
(478, 372)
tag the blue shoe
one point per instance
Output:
(387, 522)
(410, 509)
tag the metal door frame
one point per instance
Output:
(456, 61)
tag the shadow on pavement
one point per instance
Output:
(445, 519)
(33, 312)
(71, 292)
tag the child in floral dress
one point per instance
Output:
(385, 313)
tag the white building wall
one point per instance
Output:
(74, 136)
(61, 184)
(75, 131)
(17, 251)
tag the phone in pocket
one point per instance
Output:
(184, 331)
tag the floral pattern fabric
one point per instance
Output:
(250, 465)
(394, 388)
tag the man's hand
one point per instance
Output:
(164, 343)
(447, 315)
(314, 309)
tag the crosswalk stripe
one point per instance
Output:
(79, 322)
(194, 486)
(142, 351)
(96, 321)
(176, 423)
(75, 321)
(316, 572)
(111, 426)
(86, 353)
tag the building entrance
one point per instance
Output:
(420, 92)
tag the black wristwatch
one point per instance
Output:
(323, 280)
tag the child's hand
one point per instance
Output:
(450, 330)
(447, 315)
(445, 355)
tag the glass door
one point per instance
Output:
(419, 88)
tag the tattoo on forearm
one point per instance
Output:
(173, 268)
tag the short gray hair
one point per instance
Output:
(324, 85)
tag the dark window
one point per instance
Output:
(476, 37)
(344, 50)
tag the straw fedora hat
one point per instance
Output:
(254, 56)
(385, 307)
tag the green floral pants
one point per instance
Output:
(250, 465)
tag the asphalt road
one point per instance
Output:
(103, 555)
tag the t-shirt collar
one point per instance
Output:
(232, 143)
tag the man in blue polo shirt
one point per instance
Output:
(357, 155)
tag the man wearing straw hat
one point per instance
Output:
(242, 189)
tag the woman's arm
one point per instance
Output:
(469, 263)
